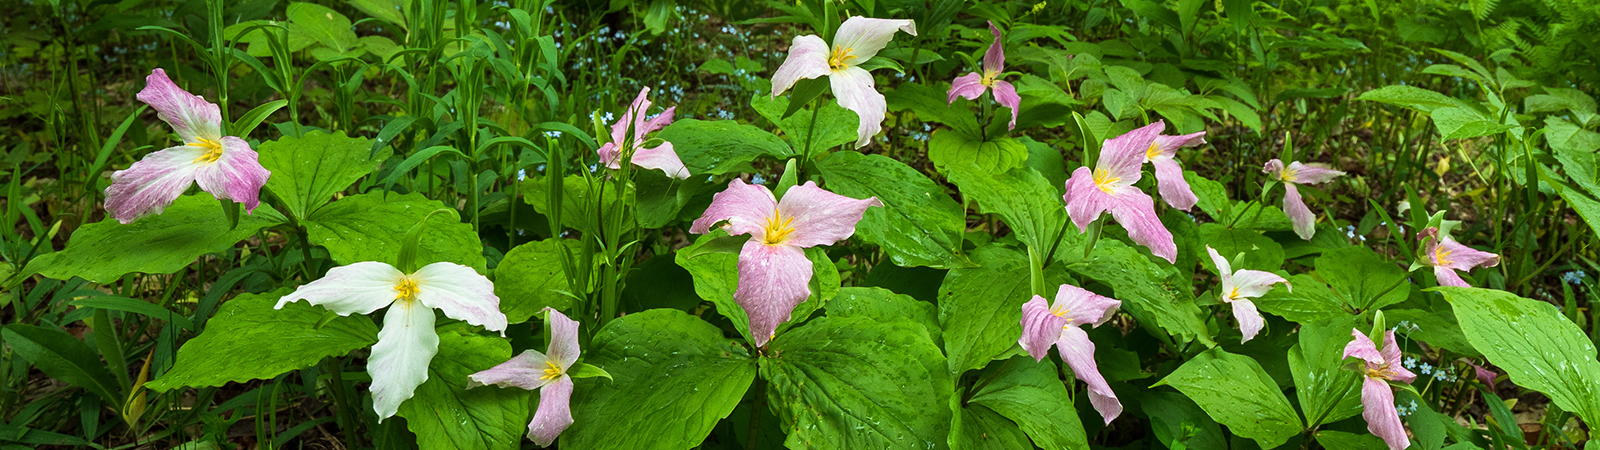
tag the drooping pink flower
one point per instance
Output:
(1238, 287)
(1061, 325)
(1162, 154)
(774, 274)
(225, 166)
(973, 84)
(659, 157)
(858, 40)
(1484, 375)
(1446, 256)
(546, 372)
(1377, 398)
(1295, 174)
(1109, 187)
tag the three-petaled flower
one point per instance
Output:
(858, 40)
(972, 85)
(1446, 256)
(660, 157)
(1296, 174)
(1162, 155)
(1109, 187)
(1377, 398)
(1060, 325)
(1238, 287)
(546, 372)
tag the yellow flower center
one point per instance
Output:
(1288, 175)
(1232, 295)
(839, 58)
(1153, 151)
(1062, 313)
(1103, 179)
(406, 290)
(1382, 372)
(988, 77)
(1442, 256)
(551, 371)
(778, 228)
(213, 150)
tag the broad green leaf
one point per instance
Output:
(446, 414)
(1339, 440)
(140, 307)
(1175, 418)
(884, 305)
(1212, 196)
(1309, 301)
(1328, 393)
(1149, 291)
(63, 357)
(367, 227)
(308, 170)
(1236, 392)
(978, 427)
(249, 340)
(528, 278)
(1366, 280)
(325, 25)
(918, 225)
(674, 378)
(834, 125)
(1463, 123)
(1438, 328)
(981, 307)
(722, 146)
(1047, 161)
(391, 11)
(1412, 98)
(658, 282)
(716, 277)
(859, 383)
(1027, 202)
(1534, 344)
(1031, 394)
(930, 105)
(1260, 252)
(953, 150)
(159, 244)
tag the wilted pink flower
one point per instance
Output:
(858, 40)
(1061, 325)
(1485, 376)
(973, 84)
(1446, 256)
(773, 270)
(1169, 175)
(1241, 286)
(1377, 398)
(546, 372)
(225, 166)
(659, 157)
(1109, 187)
(1292, 175)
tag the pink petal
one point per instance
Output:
(1083, 307)
(1006, 95)
(659, 121)
(1391, 355)
(1299, 214)
(772, 280)
(969, 86)
(808, 59)
(525, 371)
(821, 217)
(662, 158)
(746, 207)
(151, 184)
(1122, 156)
(460, 293)
(855, 91)
(863, 37)
(1174, 189)
(632, 118)
(1085, 201)
(1137, 214)
(1363, 347)
(1255, 283)
(1307, 174)
(191, 116)
(1078, 351)
(1223, 267)
(1448, 277)
(1485, 376)
(1377, 403)
(1250, 320)
(995, 58)
(399, 361)
(1040, 328)
(1274, 168)
(236, 176)
(554, 414)
(1166, 146)
(1462, 257)
(611, 155)
(359, 288)
(563, 339)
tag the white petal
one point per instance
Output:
(359, 288)
(399, 361)
(857, 92)
(460, 293)
(808, 59)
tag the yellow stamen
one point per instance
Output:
(1062, 313)
(1102, 180)
(1288, 175)
(840, 56)
(778, 228)
(406, 290)
(1382, 372)
(213, 150)
(988, 77)
(1442, 256)
(1153, 151)
(1233, 294)
(552, 371)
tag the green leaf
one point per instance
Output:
(981, 307)
(63, 357)
(140, 307)
(919, 225)
(249, 340)
(1537, 347)
(1339, 440)
(366, 227)
(1327, 391)
(1031, 394)
(1149, 291)
(579, 207)
(1438, 328)
(1027, 202)
(722, 146)
(1236, 392)
(1260, 252)
(528, 278)
(716, 277)
(978, 427)
(834, 125)
(193, 226)
(391, 11)
(859, 383)
(1463, 123)
(953, 150)
(445, 414)
(884, 305)
(1310, 301)
(930, 105)
(1364, 278)
(325, 25)
(675, 378)
(308, 170)
(1411, 98)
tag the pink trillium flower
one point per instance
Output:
(774, 274)
(546, 372)
(858, 40)
(407, 342)
(1162, 154)
(1484, 375)
(225, 166)
(1446, 256)
(973, 84)
(661, 157)
(1293, 206)
(1061, 325)
(1377, 398)
(1109, 187)
(1238, 287)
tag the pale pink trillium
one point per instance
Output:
(407, 341)
(1296, 174)
(1377, 398)
(1238, 287)
(1162, 155)
(774, 274)
(972, 85)
(1446, 256)
(858, 40)
(1109, 187)
(546, 372)
(1061, 325)
(225, 166)
(661, 157)
(1484, 375)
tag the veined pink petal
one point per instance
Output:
(633, 118)
(1485, 376)
(151, 184)
(1250, 320)
(1452, 254)
(968, 86)
(772, 280)
(1299, 214)
(563, 339)
(1137, 214)
(1448, 277)
(1255, 283)
(1166, 146)
(808, 59)
(995, 58)
(662, 158)
(1085, 201)
(1224, 269)
(191, 116)
(821, 217)
(1274, 168)
(746, 207)
(1006, 95)
(554, 414)
(1377, 403)
(1174, 189)
(1078, 351)
(610, 155)
(237, 175)
(1391, 355)
(526, 371)
(1363, 347)
(359, 288)
(855, 91)
(863, 37)
(659, 121)
(1081, 307)
(1040, 328)
(399, 361)
(1121, 156)
(1311, 174)
(460, 293)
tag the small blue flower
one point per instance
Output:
(1427, 368)
(1410, 362)
(522, 174)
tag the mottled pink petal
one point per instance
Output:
(1274, 168)
(969, 86)
(1448, 277)
(1299, 215)
(399, 361)
(1006, 95)
(1081, 307)
(1311, 174)
(1174, 189)
(1136, 213)
(191, 116)
(863, 37)
(359, 288)
(1485, 376)
(1391, 355)
(662, 158)
(554, 414)
(151, 184)
(1166, 146)
(1377, 403)
(1255, 283)
(1121, 156)
(855, 91)
(1363, 347)
(746, 207)
(1250, 320)
(772, 280)
(1078, 351)
(460, 293)
(1454, 255)
(633, 119)
(821, 217)
(563, 339)
(237, 175)
(1084, 200)
(1040, 328)
(808, 59)
(611, 155)
(525, 371)
(659, 121)
(994, 60)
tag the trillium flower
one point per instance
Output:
(774, 274)
(1377, 398)
(1060, 325)
(546, 372)
(660, 157)
(1447, 256)
(1295, 174)
(1162, 154)
(973, 84)
(858, 40)
(407, 342)
(225, 166)
(1109, 187)
(1238, 287)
